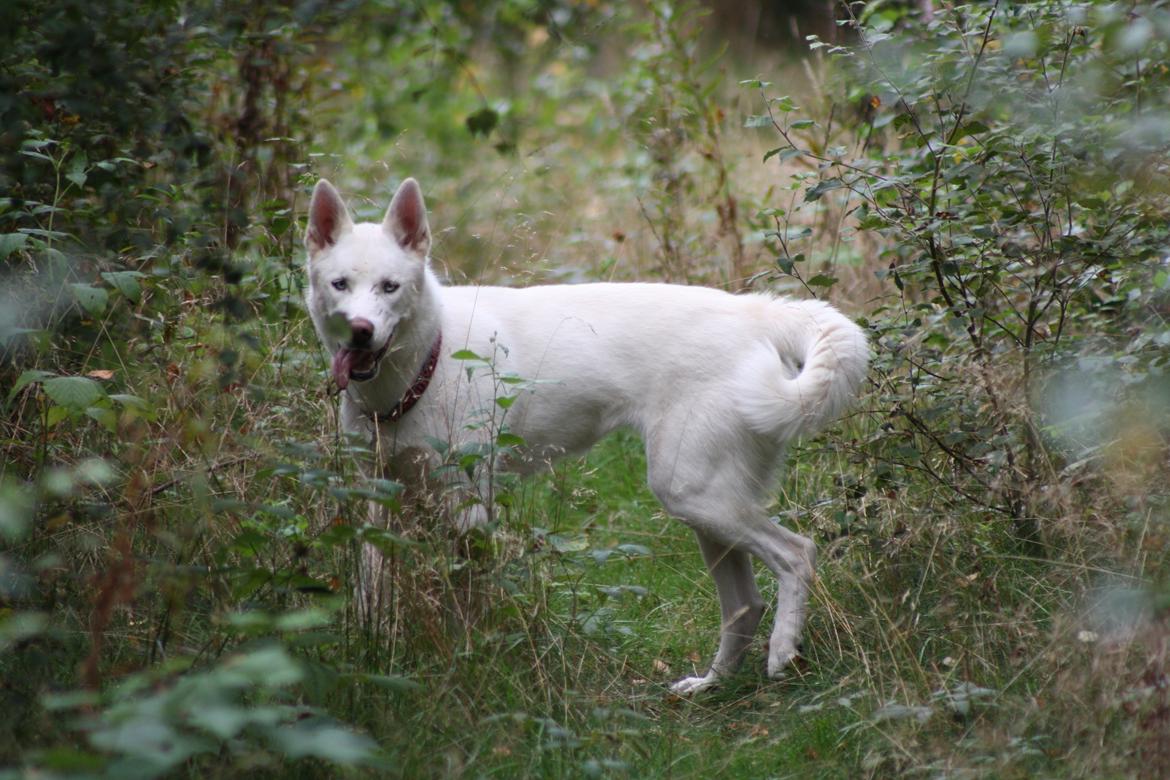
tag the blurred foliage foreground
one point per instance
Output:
(986, 189)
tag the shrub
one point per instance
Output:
(1012, 165)
(1008, 164)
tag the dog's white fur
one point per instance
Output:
(716, 384)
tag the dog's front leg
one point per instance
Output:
(370, 590)
(469, 514)
(469, 483)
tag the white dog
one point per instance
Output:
(716, 384)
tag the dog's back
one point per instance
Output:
(626, 354)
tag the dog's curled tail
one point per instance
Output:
(806, 373)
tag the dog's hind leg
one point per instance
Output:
(790, 557)
(713, 482)
(740, 606)
(793, 559)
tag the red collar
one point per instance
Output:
(416, 389)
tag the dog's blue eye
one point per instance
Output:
(389, 287)
(340, 284)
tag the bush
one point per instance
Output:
(130, 361)
(1008, 162)
(1010, 166)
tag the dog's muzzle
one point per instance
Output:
(356, 364)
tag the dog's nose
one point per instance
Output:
(361, 332)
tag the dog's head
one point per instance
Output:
(364, 279)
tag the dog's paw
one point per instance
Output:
(781, 660)
(689, 686)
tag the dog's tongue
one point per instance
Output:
(342, 365)
(346, 361)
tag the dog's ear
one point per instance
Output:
(328, 218)
(406, 219)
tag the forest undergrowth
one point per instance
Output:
(984, 190)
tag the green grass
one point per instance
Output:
(565, 671)
(583, 685)
(546, 649)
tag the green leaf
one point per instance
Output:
(787, 264)
(388, 487)
(56, 414)
(382, 539)
(38, 143)
(567, 544)
(16, 505)
(466, 354)
(19, 626)
(337, 326)
(105, 417)
(70, 700)
(128, 400)
(974, 127)
(94, 471)
(1021, 44)
(303, 619)
(506, 439)
(324, 740)
(222, 720)
(92, 299)
(822, 280)
(827, 185)
(270, 667)
(125, 282)
(249, 582)
(74, 392)
(482, 122)
(617, 591)
(783, 104)
(627, 550)
(758, 120)
(785, 153)
(12, 242)
(148, 738)
(30, 377)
